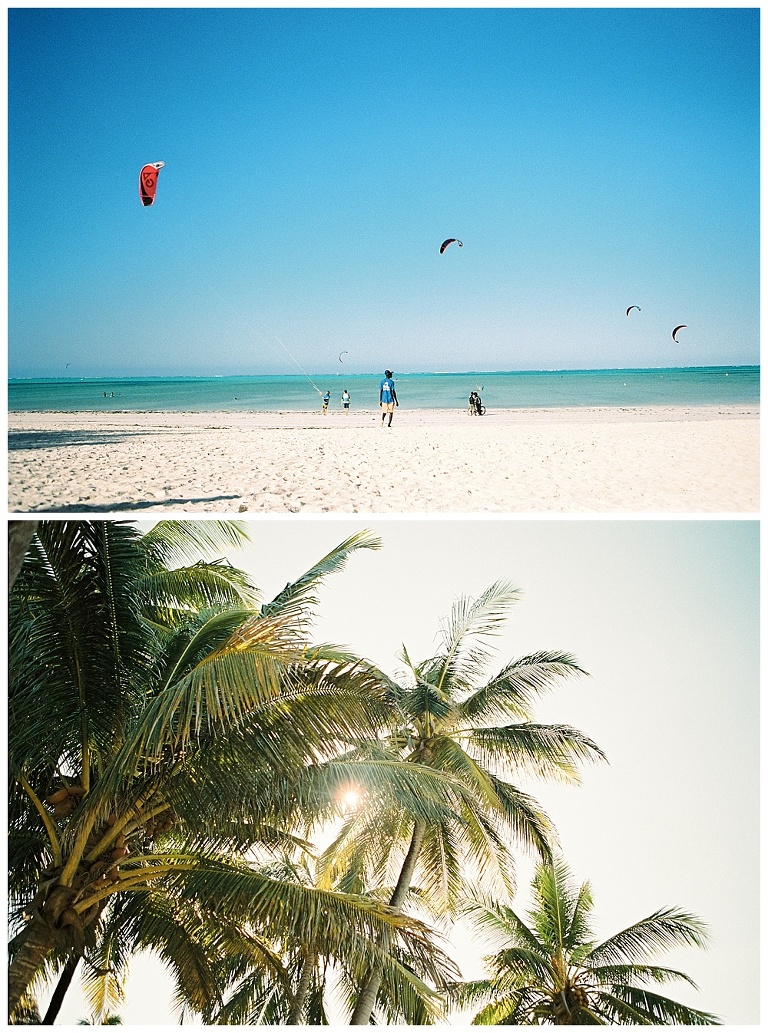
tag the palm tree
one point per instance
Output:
(454, 720)
(136, 690)
(296, 989)
(552, 971)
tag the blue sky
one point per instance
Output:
(589, 159)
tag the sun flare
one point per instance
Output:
(351, 798)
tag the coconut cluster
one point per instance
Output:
(107, 868)
(65, 800)
(571, 1000)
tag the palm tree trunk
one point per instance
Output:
(65, 980)
(36, 944)
(299, 1001)
(369, 991)
(20, 534)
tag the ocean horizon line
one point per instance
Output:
(672, 385)
(377, 373)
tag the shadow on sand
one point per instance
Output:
(21, 439)
(120, 507)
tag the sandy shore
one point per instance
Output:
(591, 460)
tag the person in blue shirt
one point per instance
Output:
(326, 400)
(387, 397)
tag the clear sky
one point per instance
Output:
(664, 617)
(588, 159)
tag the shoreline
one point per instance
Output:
(305, 417)
(661, 459)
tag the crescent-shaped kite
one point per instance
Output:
(674, 332)
(342, 353)
(148, 182)
(451, 240)
(631, 307)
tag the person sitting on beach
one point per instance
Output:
(387, 397)
(326, 400)
(345, 399)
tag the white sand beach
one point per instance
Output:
(587, 460)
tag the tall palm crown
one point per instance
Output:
(551, 969)
(136, 690)
(454, 720)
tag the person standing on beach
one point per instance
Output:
(345, 399)
(387, 397)
(326, 400)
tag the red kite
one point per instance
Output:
(148, 182)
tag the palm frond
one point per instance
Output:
(547, 751)
(500, 1012)
(580, 934)
(178, 542)
(664, 929)
(440, 866)
(102, 985)
(500, 924)
(555, 903)
(512, 692)
(635, 974)
(524, 818)
(77, 648)
(280, 910)
(642, 1006)
(299, 597)
(469, 624)
(167, 596)
(470, 993)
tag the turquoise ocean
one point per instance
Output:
(711, 385)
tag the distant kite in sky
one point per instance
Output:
(674, 332)
(148, 182)
(631, 307)
(342, 353)
(451, 240)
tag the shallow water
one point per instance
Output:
(712, 385)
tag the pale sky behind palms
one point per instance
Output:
(664, 617)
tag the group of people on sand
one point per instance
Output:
(387, 398)
(476, 407)
(345, 400)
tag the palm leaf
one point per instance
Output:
(656, 1010)
(165, 596)
(512, 692)
(548, 751)
(666, 928)
(635, 974)
(500, 924)
(299, 597)
(464, 631)
(177, 542)
(524, 818)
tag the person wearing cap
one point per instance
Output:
(387, 397)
